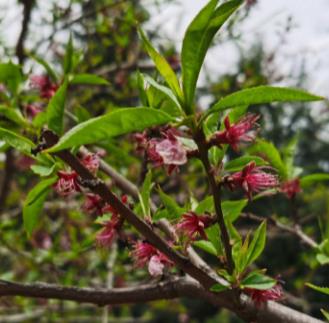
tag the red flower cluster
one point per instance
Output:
(252, 179)
(110, 228)
(31, 110)
(291, 188)
(67, 184)
(241, 132)
(93, 204)
(91, 162)
(193, 225)
(262, 296)
(168, 150)
(145, 254)
(43, 83)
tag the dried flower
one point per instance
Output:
(241, 132)
(252, 179)
(67, 184)
(291, 188)
(193, 225)
(262, 296)
(43, 83)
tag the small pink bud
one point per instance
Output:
(67, 184)
(291, 188)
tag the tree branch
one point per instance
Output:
(176, 287)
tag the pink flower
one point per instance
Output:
(262, 296)
(110, 209)
(43, 83)
(91, 162)
(92, 204)
(252, 179)
(106, 236)
(291, 188)
(147, 255)
(67, 184)
(240, 132)
(193, 225)
(168, 151)
(142, 141)
(31, 110)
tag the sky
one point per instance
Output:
(308, 40)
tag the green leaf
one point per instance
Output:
(257, 244)
(174, 210)
(68, 58)
(217, 288)
(237, 164)
(206, 205)
(288, 155)
(12, 114)
(206, 246)
(55, 109)
(325, 314)
(144, 196)
(232, 209)
(16, 141)
(47, 67)
(268, 151)
(115, 123)
(323, 290)
(323, 259)
(164, 90)
(256, 280)
(213, 235)
(11, 76)
(162, 66)
(263, 94)
(43, 170)
(89, 79)
(308, 180)
(197, 40)
(34, 202)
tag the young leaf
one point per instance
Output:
(115, 123)
(308, 180)
(256, 280)
(144, 195)
(232, 209)
(89, 79)
(268, 151)
(323, 290)
(11, 76)
(34, 203)
(217, 288)
(197, 40)
(162, 66)
(263, 94)
(43, 170)
(47, 67)
(206, 246)
(164, 90)
(325, 314)
(237, 164)
(174, 210)
(68, 58)
(12, 114)
(213, 235)
(257, 244)
(16, 141)
(55, 109)
(206, 205)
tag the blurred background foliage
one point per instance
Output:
(63, 250)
